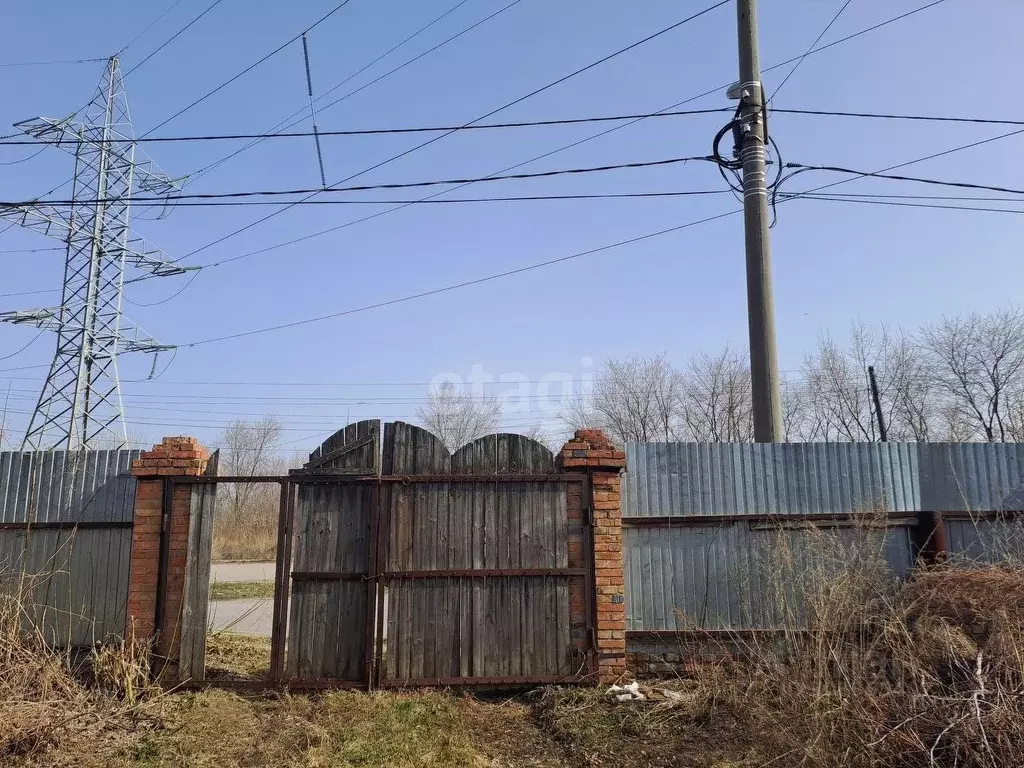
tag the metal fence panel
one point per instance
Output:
(690, 479)
(740, 575)
(67, 486)
(74, 581)
(985, 541)
(976, 477)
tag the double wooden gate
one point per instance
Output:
(424, 567)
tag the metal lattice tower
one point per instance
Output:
(80, 403)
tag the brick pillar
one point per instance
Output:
(175, 457)
(590, 450)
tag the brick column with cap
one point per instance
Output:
(173, 457)
(590, 450)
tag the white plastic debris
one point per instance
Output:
(629, 692)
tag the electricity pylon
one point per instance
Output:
(80, 402)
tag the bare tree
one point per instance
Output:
(540, 434)
(717, 405)
(249, 448)
(637, 399)
(978, 363)
(796, 422)
(458, 417)
(837, 393)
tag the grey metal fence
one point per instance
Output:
(65, 540)
(711, 529)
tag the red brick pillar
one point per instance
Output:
(590, 450)
(174, 457)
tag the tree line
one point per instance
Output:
(959, 379)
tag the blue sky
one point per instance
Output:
(681, 293)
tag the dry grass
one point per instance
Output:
(688, 732)
(245, 527)
(877, 674)
(51, 701)
(232, 655)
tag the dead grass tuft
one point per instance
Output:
(235, 656)
(598, 731)
(882, 675)
(46, 699)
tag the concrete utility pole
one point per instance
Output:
(764, 361)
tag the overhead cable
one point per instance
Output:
(512, 103)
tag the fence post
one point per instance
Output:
(173, 457)
(592, 452)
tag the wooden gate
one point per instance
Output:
(475, 572)
(421, 567)
(325, 549)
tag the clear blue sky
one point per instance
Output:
(680, 294)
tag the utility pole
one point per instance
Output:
(764, 361)
(878, 405)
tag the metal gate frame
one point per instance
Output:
(375, 580)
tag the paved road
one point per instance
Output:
(242, 572)
(250, 616)
(247, 617)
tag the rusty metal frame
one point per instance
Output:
(680, 521)
(362, 476)
(282, 585)
(374, 599)
(330, 575)
(163, 563)
(481, 573)
(589, 581)
(67, 525)
(382, 551)
(492, 681)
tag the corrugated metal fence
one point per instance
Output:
(718, 536)
(65, 539)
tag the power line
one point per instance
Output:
(172, 38)
(367, 187)
(413, 60)
(456, 286)
(917, 179)
(571, 145)
(531, 267)
(904, 204)
(512, 103)
(207, 168)
(897, 116)
(457, 200)
(148, 27)
(248, 69)
(50, 63)
(539, 123)
(809, 49)
(424, 129)
(27, 345)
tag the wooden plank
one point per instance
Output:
(558, 517)
(196, 590)
(341, 451)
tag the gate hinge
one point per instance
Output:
(588, 515)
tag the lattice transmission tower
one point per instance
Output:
(80, 403)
